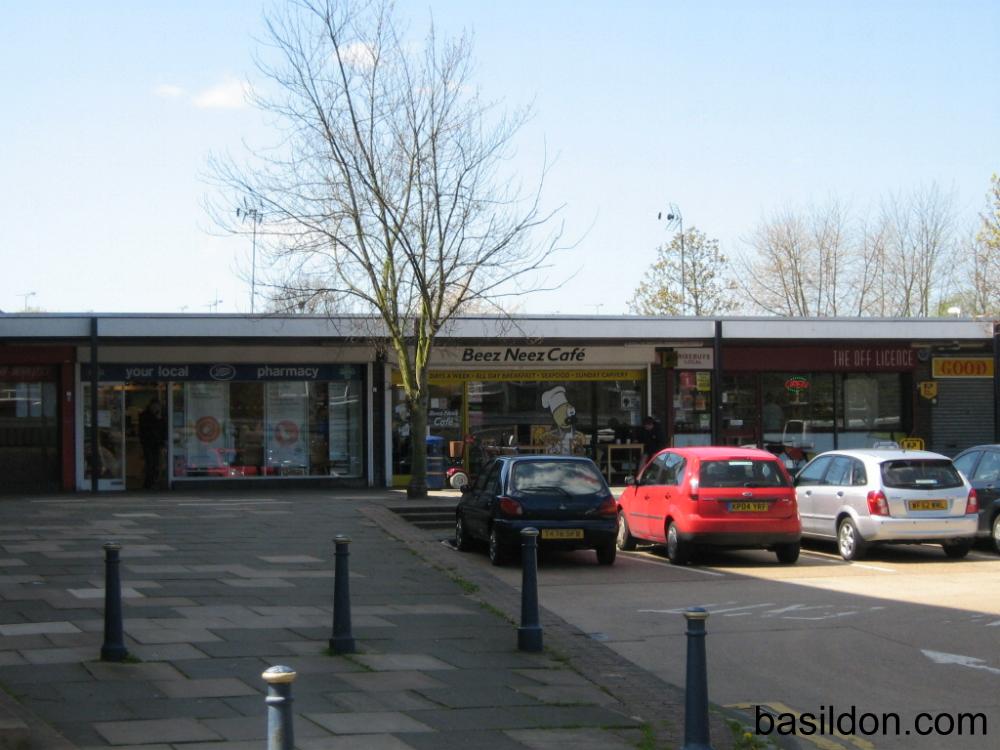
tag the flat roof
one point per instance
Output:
(664, 331)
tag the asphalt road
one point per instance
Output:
(905, 632)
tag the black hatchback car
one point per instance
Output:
(564, 497)
(981, 466)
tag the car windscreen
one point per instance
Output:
(920, 474)
(569, 477)
(742, 472)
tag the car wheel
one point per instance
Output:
(497, 551)
(462, 541)
(678, 551)
(957, 549)
(996, 533)
(849, 542)
(606, 554)
(625, 540)
(458, 480)
(787, 553)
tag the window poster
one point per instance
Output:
(287, 427)
(206, 409)
(344, 427)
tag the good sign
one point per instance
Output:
(962, 367)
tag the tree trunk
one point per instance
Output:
(417, 487)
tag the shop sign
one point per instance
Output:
(797, 384)
(445, 418)
(26, 373)
(962, 367)
(901, 358)
(928, 389)
(220, 372)
(695, 359)
(521, 354)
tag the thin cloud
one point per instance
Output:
(230, 94)
(168, 91)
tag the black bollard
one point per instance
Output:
(696, 693)
(529, 635)
(342, 641)
(280, 734)
(113, 648)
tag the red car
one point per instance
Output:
(719, 496)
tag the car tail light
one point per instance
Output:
(972, 505)
(693, 491)
(510, 507)
(877, 504)
(608, 509)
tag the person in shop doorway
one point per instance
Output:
(652, 438)
(152, 435)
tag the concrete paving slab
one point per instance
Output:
(354, 742)
(402, 662)
(379, 722)
(152, 672)
(568, 739)
(207, 688)
(154, 731)
(374, 682)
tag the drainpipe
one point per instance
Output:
(95, 444)
(716, 382)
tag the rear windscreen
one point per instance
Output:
(742, 473)
(919, 474)
(572, 477)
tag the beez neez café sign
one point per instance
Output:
(515, 354)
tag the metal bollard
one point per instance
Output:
(113, 648)
(696, 692)
(280, 734)
(342, 641)
(529, 635)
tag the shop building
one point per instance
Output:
(246, 399)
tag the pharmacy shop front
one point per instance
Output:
(195, 421)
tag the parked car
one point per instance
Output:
(860, 497)
(564, 497)
(981, 467)
(719, 496)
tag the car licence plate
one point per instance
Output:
(927, 505)
(747, 507)
(562, 534)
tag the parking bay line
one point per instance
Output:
(636, 556)
(836, 561)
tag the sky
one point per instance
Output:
(726, 110)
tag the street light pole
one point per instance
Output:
(26, 295)
(254, 215)
(674, 217)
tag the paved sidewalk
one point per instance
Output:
(218, 587)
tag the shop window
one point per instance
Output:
(29, 435)
(250, 429)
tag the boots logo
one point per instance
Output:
(222, 372)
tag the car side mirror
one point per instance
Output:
(630, 481)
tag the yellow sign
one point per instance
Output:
(453, 376)
(928, 389)
(911, 443)
(962, 367)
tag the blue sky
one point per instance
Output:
(728, 109)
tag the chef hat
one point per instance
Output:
(553, 398)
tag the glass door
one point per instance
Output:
(738, 410)
(110, 437)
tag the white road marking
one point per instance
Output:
(940, 657)
(636, 556)
(838, 559)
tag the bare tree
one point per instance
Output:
(385, 194)
(687, 278)
(920, 250)
(985, 253)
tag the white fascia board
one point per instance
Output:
(903, 329)
(19, 326)
(577, 328)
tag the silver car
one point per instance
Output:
(860, 497)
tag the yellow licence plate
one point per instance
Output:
(927, 505)
(562, 534)
(745, 507)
